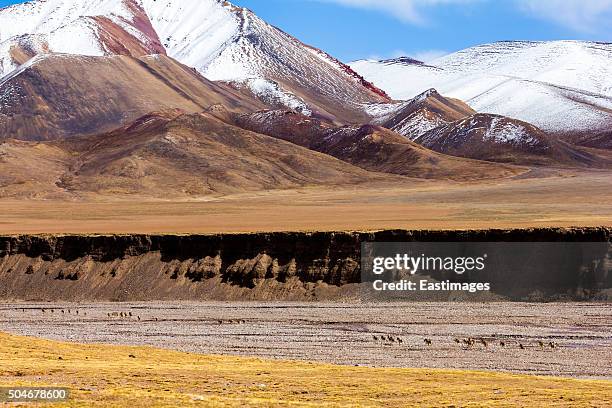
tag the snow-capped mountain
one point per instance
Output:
(451, 127)
(497, 138)
(92, 28)
(419, 115)
(560, 86)
(233, 44)
(220, 40)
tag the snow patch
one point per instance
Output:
(417, 125)
(272, 93)
(22, 68)
(195, 32)
(504, 132)
(382, 112)
(80, 38)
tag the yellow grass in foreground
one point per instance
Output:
(106, 376)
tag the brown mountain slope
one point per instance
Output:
(501, 139)
(595, 139)
(420, 114)
(370, 147)
(171, 155)
(30, 169)
(56, 96)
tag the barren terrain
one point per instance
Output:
(571, 198)
(344, 333)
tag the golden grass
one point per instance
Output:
(106, 376)
(583, 199)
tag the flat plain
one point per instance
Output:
(558, 199)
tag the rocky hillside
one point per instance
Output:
(371, 147)
(501, 139)
(60, 95)
(168, 154)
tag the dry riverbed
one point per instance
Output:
(346, 334)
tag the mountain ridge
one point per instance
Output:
(223, 42)
(165, 154)
(420, 114)
(371, 147)
(136, 57)
(559, 86)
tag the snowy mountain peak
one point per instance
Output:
(83, 27)
(220, 40)
(228, 43)
(559, 86)
(428, 93)
(420, 114)
(402, 60)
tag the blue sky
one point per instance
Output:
(354, 29)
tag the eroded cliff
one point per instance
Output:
(274, 266)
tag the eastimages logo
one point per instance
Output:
(481, 270)
(405, 263)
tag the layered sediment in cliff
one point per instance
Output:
(260, 266)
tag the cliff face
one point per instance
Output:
(275, 266)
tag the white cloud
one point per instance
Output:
(392, 54)
(588, 16)
(428, 55)
(424, 55)
(409, 11)
(398, 53)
